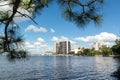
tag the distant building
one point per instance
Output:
(98, 45)
(63, 47)
(75, 50)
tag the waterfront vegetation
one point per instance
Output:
(104, 50)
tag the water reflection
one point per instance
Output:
(116, 73)
(59, 68)
(62, 65)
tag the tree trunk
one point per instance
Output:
(6, 43)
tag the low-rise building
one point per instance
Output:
(75, 50)
(98, 45)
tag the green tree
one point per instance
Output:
(80, 12)
(117, 41)
(105, 51)
(88, 52)
(116, 48)
(7, 19)
(15, 41)
(85, 52)
(94, 52)
(78, 53)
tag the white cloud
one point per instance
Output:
(40, 43)
(35, 29)
(5, 7)
(40, 40)
(38, 47)
(62, 38)
(28, 45)
(52, 30)
(18, 17)
(104, 36)
(55, 39)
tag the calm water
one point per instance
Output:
(58, 68)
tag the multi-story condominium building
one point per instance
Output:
(98, 45)
(63, 47)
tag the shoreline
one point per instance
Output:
(114, 56)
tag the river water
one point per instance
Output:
(59, 68)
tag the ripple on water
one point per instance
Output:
(59, 68)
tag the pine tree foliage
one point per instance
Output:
(80, 12)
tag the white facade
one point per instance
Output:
(76, 49)
(98, 45)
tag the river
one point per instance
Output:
(58, 68)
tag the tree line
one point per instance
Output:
(104, 50)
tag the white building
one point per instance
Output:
(63, 47)
(98, 45)
(76, 49)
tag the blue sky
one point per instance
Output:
(53, 27)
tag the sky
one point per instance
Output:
(52, 27)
